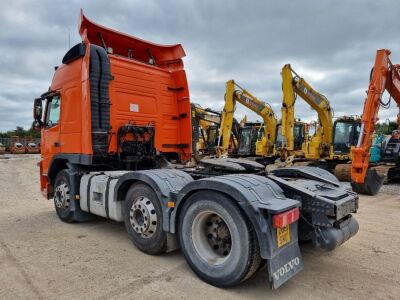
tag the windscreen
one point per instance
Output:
(346, 135)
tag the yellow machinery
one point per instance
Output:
(298, 136)
(265, 140)
(331, 140)
(318, 145)
(205, 123)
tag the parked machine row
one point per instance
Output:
(329, 146)
(18, 145)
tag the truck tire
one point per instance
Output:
(217, 240)
(143, 219)
(62, 197)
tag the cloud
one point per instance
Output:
(331, 44)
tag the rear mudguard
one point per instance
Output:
(103, 193)
(257, 196)
(163, 181)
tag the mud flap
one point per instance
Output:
(79, 215)
(285, 265)
(372, 183)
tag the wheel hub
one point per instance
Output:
(62, 196)
(143, 217)
(211, 237)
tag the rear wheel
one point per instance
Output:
(63, 197)
(143, 219)
(217, 240)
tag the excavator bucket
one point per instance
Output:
(372, 183)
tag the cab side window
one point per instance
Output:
(53, 111)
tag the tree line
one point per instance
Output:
(386, 128)
(21, 132)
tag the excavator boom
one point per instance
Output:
(385, 76)
(319, 103)
(289, 99)
(245, 98)
(293, 85)
(207, 115)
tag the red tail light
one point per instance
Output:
(288, 217)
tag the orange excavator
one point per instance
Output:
(385, 76)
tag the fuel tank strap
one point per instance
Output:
(88, 192)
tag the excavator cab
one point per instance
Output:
(248, 136)
(299, 133)
(391, 150)
(345, 135)
(212, 138)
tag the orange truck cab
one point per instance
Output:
(117, 101)
(116, 134)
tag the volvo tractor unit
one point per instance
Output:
(116, 141)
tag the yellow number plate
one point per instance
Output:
(283, 235)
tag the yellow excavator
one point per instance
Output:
(205, 123)
(262, 134)
(331, 143)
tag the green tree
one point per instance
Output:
(21, 132)
(385, 128)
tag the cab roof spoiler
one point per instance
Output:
(129, 46)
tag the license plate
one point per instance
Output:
(283, 235)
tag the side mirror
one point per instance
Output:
(37, 113)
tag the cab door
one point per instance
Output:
(51, 131)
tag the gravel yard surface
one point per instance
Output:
(44, 258)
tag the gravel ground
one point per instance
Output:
(391, 189)
(43, 258)
(19, 156)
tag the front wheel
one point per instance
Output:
(63, 197)
(217, 240)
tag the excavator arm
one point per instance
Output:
(251, 102)
(293, 85)
(288, 118)
(207, 115)
(384, 76)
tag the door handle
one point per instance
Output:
(57, 144)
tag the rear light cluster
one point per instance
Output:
(288, 217)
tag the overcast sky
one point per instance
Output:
(332, 44)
